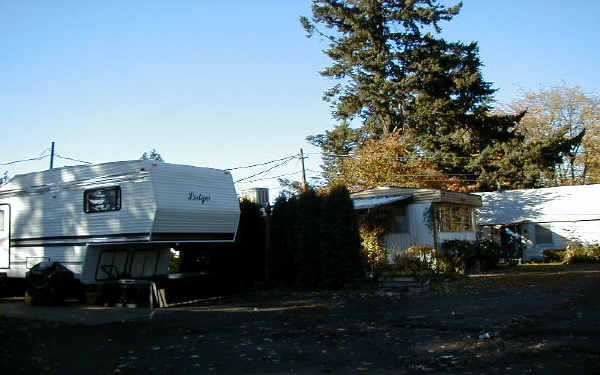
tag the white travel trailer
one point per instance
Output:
(113, 220)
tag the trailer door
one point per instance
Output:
(4, 235)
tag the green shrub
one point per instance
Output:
(373, 226)
(421, 260)
(467, 256)
(459, 254)
(315, 241)
(404, 265)
(426, 256)
(340, 240)
(554, 255)
(488, 254)
(373, 248)
(248, 263)
(579, 253)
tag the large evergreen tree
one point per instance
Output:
(395, 74)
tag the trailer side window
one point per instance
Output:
(454, 218)
(101, 200)
(1, 221)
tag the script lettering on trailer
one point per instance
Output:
(194, 196)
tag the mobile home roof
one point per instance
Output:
(546, 205)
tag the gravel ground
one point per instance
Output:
(534, 321)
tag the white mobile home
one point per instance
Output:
(530, 221)
(113, 220)
(422, 216)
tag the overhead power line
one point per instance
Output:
(264, 163)
(287, 160)
(272, 178)
(72, 159)
(42, 156)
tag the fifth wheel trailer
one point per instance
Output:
(113, 220)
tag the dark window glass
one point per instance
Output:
(542, 234)
(400, 222)
(101, 200)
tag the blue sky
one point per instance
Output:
(227, 84)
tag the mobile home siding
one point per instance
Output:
(178, 212)
(587, 232)
(569, 212)
(419, 233)
(23, 258)
(46, 207)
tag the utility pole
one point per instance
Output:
(304, 185)
(52, 156)
(267, 240)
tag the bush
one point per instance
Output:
(373, 248)
(315, 241)
(249, 250)
(426, 256)
(373, 226)
(554, 255)
(456, 256)
(488, 253)
(405, 265)
(466, 256)
(579, 253)
(419, 261)
(340, 240)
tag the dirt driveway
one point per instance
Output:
(532, 321)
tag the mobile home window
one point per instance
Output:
(1, 221)
(102, 199)
(400, 222)
(454, 218)
(543, 234)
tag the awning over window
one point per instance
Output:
(366, 203)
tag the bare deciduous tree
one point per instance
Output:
(564, 109)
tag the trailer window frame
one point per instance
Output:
(117, 199)
(454, 218)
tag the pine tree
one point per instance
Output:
(336, 145)
(152, 155)
(396, 74)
